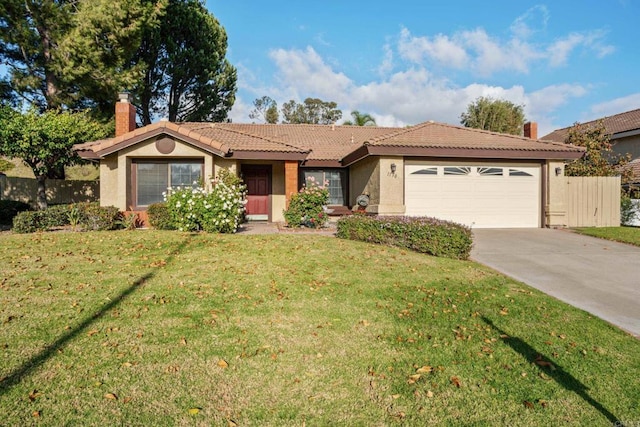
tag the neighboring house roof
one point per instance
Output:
(618, 126)
(634, 165)
(332, 145)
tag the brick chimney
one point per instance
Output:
(531, 130)
(125, 114)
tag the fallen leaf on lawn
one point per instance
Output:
(456, 381)
(232, 423)
(504, 311)
(222, 363)
(183, 341)
(110, 396)
(413, 378)
(429, 394)
(92, 332)
(127, 364)
(34, 395)
(194, 411)
(424, 370)
(528, 404)
(395, 396)
(543, 403)
(541, 362)
(35, 414)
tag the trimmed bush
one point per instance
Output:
(28, 222)
(422, 234)
(159, 217)
(94, 217)
(10, 208)
(306, 207)
(56, 216)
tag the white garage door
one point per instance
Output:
(475, 194)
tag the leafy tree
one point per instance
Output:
(599, 159)
(265, 109)
(360, 119)
(187, 77)
(72, 53)
(45, 141)
(496, 115)
(312, 111)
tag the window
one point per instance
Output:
(517, 172)
(486, 171)
(457, 170)
(426, 171)
(153, 178)
(336, 183)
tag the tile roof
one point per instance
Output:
(328, 142)
(618, 123)
(440, 135)
(634, 165)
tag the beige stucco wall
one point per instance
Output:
(373, 176)
(109, 181)
(556, 195)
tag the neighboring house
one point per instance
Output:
(474, 177)
(623, 130)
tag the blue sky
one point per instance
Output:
(407, 62)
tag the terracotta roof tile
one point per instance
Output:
(440, 135)
(618, 123)
(331, 142)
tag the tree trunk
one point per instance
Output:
(42, 192)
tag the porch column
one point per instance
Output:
(290, 179)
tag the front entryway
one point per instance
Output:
(258, 181)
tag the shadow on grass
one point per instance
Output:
(562, 377)
(30, 365)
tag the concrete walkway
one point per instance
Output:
(598, 276)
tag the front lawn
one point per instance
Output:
(630, 235)
(165, 328)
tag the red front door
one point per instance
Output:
(258, 181)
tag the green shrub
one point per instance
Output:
(426, 235)
(94, 217)
(10, 208)
(159, 217)
(216, 210)
(306, 207)
(56, 216)
(28, 222)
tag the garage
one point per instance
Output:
(477, 194)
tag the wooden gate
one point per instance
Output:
(593, 201)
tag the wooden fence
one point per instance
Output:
(593, 201)
(58, 191)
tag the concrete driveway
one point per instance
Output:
(596, 275)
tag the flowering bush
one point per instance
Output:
(306, 208)
(219, 209)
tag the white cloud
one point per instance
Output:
(439, 48)
(303, 73)
(524, 26)
(615, 106)
(559, 51)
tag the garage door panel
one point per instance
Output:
(480, 196)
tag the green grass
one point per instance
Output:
(164, 328)
(630, 235)
(82, 172)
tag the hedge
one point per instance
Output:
(422, 234)
(91, 216)
(160, 217)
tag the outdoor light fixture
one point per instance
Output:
(393, 168)
(558, 171)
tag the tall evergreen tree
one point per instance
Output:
(187, 76)
(312, 111)
(72, 53)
